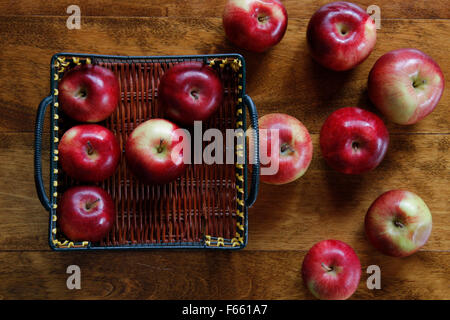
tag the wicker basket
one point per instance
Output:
(205, 208)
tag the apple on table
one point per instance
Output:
(331, 270)
(398, 223)
(88, 93)
(86, 213)
(190, 91)
(341, 35)
(405, 85)
(255, 25)
(353, 140)
(154, 151)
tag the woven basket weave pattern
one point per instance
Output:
(202, 203)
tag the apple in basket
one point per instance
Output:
(340, 35)
(285, 148)
(86, 213)
(405, 85)
(190, 91)
(88, 93)
(331, 270)
(89, 152)
(353, 140)
(398, 223)
(155, 151)
(255, 25)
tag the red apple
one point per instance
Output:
(254, 25)
(88, 93)
(86, 213)
(331, 270)
(190, 91)
(405, 85)
(341, 35)
(398, 223)
(291, 147)
(153, 151)
(89, 152)
(353, 140)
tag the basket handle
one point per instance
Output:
(39, 182)
(251, 198)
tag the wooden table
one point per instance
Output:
(286, 220)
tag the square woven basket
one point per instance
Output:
(205, 208)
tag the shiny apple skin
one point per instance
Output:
(294, 162)
(243, 28)
(333, 49)
(143, 158)
(80, 223)
(353, 140)
(398, 223)
(88, 93)
(342, 280)
(89, 152)
(392, 82)
(190, 91)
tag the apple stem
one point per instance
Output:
(90, 149)
(399, 224)
(160, 148)
(82, 93)
(326, 268)
(418, 83)
(286, 147)
(194, 94)
(263, 19)
(89, 205)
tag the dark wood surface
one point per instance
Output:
(286, 220)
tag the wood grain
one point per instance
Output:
(288, 217)
(286, 220)
(419, 9)
(207, 275)
(284, 79)
(292, 216)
